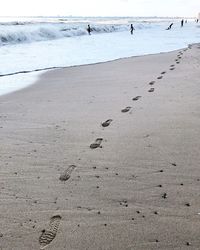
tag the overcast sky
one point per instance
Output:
(100, 7)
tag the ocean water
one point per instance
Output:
(29, 46)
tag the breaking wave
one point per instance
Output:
(21, 32)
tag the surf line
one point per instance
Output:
(30, 71)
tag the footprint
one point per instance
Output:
(172, 68)
(97, 143)
(160, 77)
(67, 173)
(172, 65)
(177, 62)
(152, 83)
(106, 123)
(126, 109)
(136, 98)
(162, 73)
(48, 235)
(151, 90)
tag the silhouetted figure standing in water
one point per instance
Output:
(132, 29)
(182, 21)
(170, 26)
(89, 29)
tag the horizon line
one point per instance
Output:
(88, 16)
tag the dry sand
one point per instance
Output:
(139, 189)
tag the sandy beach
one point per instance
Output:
(104, 157)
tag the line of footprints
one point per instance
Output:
(98, 141)
(49, 234)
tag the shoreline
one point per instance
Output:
(45, 70)
(135, 188)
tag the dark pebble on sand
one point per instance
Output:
(155, 212)
(161, 171)
(160, 185)
(97, 186)
(138, 212)
(98, 212)
(1, 235)
(173, 164)
(188, 204)
(116, 174)
(188, 243)
(105, 225)
(181, 184)
(164, 196)
(132, 219)
(157, 240)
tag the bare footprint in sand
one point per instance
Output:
(136, 98)
(96, 144)
(106, 123)
(151, 90)
(126, 109)
(67, 173)
(48, 235)
(152, 83)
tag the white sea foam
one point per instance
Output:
(35, 45)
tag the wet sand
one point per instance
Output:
(104, 156)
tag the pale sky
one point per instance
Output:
(100, 7)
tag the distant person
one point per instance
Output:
(89, 29)
(132, 29)
(185, 21)
(170, 26)
(182, 21)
